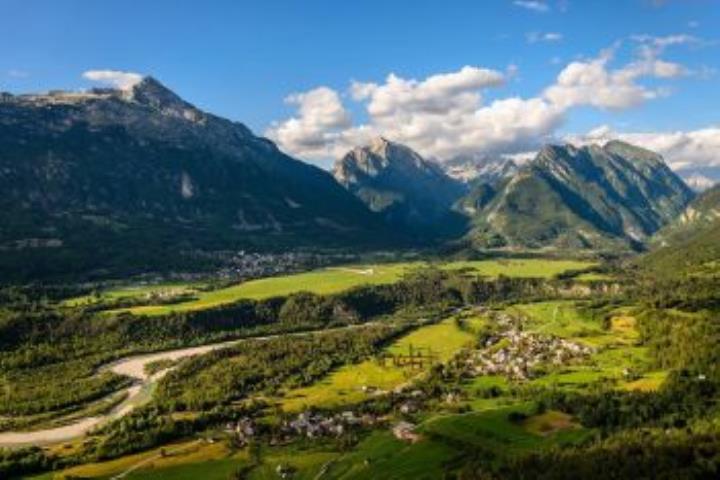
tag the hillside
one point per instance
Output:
(699, 215)
(133, 180)
(690, 244)
(590, 197)
(409, 191)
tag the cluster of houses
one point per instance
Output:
(244, 430)
(245, 265)
(314, 425)
(516, 354)
(317, 425)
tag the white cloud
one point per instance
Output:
(320, 120)
(592, 82)
(446, 114)
(660, 43)
(535, 37)
(438, 94)
(442, 115)
(114, 78)
(534, 5)
(682, 150)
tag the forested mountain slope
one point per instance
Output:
(132, 180)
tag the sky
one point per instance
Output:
(466, 77)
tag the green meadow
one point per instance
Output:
(325, 281)
(345, 385)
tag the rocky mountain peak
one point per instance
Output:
(394, 179)
(633, 153)
(150, 92)
(379, 145)
(480, 169)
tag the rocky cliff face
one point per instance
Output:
(111, 178)
(409, 191)
(590, 197)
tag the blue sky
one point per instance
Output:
(242, 59)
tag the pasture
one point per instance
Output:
(325, 281)
(345, 385)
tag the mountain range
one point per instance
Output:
(615, 196)
(589, 197)
(137, 179)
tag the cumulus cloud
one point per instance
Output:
(438, 94)
(320, 120)
(683, 150)
(592, 82)
(535, 37)
(442, 115)
(114, 78)
(533, 5)
(446, 114)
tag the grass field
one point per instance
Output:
(520, 267)
(381, 456)
(344, 386)
(616, 349)
(493, 430)
(324, 281)
(560, 318)
(184, 460)
(133, 291)
(334, 280)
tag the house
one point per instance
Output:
(405, 431)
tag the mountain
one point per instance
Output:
(699, 182)
(409, 191)
(589, 197)
(699, 215)
(691, 243)
(110, 180)
(478, 170)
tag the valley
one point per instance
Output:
(421, 367)
(406, 279)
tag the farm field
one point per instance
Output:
(327, 281)
(345, 385)
(615, 354)
(494, 430)
(134, 291)
(185, 460)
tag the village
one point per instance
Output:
(517, 354)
